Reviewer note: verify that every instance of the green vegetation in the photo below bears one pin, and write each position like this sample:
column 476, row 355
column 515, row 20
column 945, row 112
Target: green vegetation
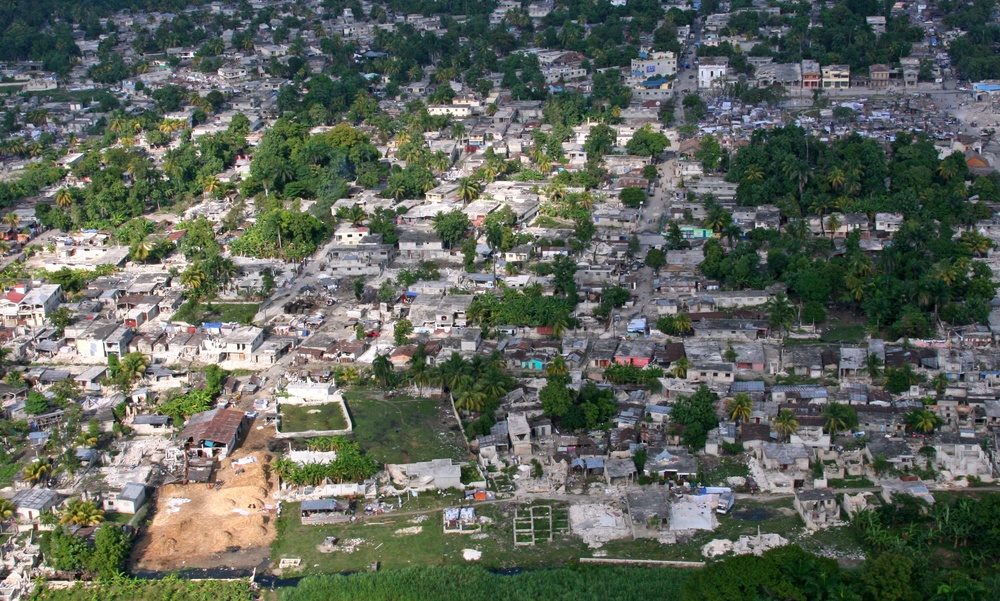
column 590, row 408
column 460, row 583
column 169, row 587
column 300, row 418
column 843, row 334
column 105, row 557
column 973, row 53
column 430, row 546
column 619, row 373
column 927, row 275
column 194, row 312
column 351, row 465
column 404, row 429
column 196, row 400
column 727, row 467
column 695, row 416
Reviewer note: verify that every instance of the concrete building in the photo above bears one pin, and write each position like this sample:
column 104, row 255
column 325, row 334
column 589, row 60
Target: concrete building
column 437, row 474
column 817, row 508
column 836, row 77
column 712, row 72
column 30, row 504
column 655, row 64
column 129, row 500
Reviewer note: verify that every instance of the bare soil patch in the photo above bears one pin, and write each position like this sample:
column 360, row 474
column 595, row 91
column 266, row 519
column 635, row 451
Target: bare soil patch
column 213, row 525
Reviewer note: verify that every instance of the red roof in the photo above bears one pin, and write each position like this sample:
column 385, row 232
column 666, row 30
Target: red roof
column 14, row 297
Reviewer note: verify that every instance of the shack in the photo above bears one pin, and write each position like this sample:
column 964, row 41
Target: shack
column 324, row 511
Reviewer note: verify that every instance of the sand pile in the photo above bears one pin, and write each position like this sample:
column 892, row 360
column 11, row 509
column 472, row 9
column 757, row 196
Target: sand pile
column 193, row 520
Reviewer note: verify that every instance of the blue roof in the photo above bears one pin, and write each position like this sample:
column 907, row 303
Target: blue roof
column 654, row 83
column 755, row 386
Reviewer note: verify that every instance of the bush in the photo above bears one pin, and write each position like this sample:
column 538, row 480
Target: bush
column 732, row 448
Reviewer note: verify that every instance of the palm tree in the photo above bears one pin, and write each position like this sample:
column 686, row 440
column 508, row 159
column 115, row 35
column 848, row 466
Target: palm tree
column 468, row 396
column 922, row 420
column 64, row 197
column 439, row 161
column 832, row 224
column 468, row 189
column 16, row 146
column 947, row 169
column 785, row 424
column 450, row 372
column 37, row 116
column 193, row 278
column 680, row 368
column 753, row 173
column 11, row 220
column 873, row 364
column 133, row 365
column 458, row 131
column 140, row 250
column 717, row 218
column 555, row 192
column 118, row 124
column 682, row 324
column 836, row 178
column 798, row 172
column 209, row 185
column 559, row 321
column 544, row 164
column 740, row 407
column 557, row 367
column 35, row 471
column 247, row 41
column 81, row 513
column 419, row 372
column 975, row 243
column 780, row 311
column 382, row 370
column 940, row 383
column 838, row 418
column 731, row 232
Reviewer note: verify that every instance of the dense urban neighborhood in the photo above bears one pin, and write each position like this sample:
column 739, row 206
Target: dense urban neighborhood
column 579, row 298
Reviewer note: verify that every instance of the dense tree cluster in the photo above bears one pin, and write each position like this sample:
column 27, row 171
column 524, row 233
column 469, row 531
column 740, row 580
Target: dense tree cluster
column 590, row 407
column 105, row 557
column 527, row 307
column 695, row 415
column 927, row 274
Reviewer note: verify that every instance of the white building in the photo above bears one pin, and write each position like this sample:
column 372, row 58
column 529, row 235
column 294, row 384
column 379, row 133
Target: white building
column 656, row 64
column 712, row 71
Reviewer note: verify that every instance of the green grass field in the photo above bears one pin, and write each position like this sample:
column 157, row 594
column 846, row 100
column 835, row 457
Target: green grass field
column 431, row 546
column 299, row 418
column 844, row 333
column 405, row 429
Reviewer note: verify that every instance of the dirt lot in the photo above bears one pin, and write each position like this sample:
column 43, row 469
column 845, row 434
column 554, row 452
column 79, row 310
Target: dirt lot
column 231, row 525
